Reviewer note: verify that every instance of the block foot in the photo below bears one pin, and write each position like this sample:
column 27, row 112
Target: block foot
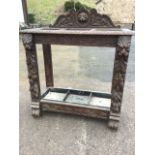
column 36, row 109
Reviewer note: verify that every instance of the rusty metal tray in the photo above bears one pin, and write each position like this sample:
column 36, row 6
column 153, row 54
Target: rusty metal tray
column 77, row 98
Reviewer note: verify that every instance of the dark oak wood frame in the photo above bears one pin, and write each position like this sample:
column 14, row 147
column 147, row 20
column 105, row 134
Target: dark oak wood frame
column 118, row 38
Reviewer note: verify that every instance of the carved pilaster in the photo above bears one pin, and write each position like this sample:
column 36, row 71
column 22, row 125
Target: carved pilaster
column 32, row 66
column 119, row 72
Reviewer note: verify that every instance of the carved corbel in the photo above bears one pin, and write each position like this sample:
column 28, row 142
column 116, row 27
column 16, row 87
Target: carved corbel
column 27, row 41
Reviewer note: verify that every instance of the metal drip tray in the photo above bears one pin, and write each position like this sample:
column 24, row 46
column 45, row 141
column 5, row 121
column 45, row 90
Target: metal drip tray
column 79, row 98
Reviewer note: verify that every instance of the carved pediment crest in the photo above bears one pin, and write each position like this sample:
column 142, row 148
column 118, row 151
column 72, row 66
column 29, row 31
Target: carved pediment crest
column 84, row 18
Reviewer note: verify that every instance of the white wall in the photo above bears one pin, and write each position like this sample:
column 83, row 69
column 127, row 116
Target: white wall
column 21, row 15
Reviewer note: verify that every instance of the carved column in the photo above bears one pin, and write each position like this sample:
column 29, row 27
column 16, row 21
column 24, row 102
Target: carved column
column 119, row 72
column 32, row 66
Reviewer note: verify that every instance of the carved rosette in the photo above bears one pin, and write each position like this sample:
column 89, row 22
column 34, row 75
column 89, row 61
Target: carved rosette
column 120, row 65
column 31, row 59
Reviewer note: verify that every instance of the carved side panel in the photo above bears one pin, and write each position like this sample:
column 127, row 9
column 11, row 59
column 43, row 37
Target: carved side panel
column 120, row 65
column 32, row 65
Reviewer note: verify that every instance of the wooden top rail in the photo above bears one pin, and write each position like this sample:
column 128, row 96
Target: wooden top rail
column 79, row 31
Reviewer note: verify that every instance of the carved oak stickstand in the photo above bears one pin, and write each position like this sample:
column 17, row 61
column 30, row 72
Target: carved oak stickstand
column 102, row 36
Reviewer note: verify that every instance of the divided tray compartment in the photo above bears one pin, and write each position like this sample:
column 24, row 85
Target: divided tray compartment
column 77, row 98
